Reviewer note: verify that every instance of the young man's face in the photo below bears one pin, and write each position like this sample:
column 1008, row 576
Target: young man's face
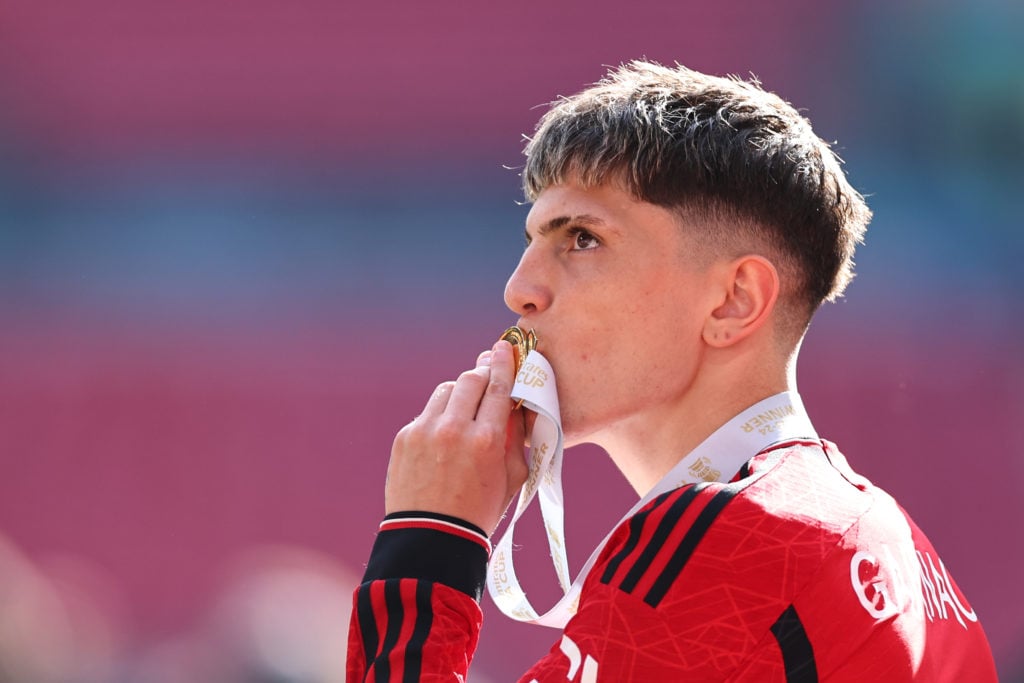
column 617, row 298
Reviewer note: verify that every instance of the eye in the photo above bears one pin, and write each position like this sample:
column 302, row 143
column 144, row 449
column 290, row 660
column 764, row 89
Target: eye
column 583, row 240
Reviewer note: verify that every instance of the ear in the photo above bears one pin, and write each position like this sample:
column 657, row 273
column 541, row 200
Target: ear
column 751, row 288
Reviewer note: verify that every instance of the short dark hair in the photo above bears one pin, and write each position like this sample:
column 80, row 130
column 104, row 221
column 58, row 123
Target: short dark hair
column 713, row 147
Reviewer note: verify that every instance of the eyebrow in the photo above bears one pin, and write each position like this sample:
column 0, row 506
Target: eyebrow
column 561, row 222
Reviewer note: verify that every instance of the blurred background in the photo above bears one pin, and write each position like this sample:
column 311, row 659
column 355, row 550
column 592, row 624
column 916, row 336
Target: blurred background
column 241, row 242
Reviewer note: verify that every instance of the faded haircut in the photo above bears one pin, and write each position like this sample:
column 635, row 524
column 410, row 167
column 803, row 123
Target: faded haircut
column 721, row 152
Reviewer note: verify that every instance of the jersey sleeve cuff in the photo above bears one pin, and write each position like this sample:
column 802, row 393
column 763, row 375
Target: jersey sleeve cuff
column 431, row 547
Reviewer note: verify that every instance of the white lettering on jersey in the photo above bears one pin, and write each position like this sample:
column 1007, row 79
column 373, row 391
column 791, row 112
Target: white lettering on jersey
column 869, row 584
column 883, row 588
column 938, row 592
column 572, row 651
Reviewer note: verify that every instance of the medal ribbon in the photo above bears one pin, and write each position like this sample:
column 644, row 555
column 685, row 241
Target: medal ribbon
column 535, row 387
column 775, row 419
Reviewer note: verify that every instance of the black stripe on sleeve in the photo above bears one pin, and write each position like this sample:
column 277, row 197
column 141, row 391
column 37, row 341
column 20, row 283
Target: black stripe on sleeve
column 745, row 470
column 661, row 534
column 367, row 624
column 797, row 653
column 396, row 615
column 636, row 527
column 693, row 537
column 424, row 620
column 689, row 543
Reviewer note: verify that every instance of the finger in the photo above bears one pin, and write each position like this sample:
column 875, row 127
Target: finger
column 466, row 393
column 496, row 404
column 438, row 401
column 468, row 396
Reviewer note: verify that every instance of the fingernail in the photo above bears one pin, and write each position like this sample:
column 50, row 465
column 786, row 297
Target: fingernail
column 483, row 359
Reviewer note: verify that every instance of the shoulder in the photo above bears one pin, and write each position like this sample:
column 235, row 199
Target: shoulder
column 785, row 510
column 797, row 557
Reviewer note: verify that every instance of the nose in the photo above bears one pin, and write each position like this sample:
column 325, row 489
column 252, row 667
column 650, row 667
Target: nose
column 528, row 289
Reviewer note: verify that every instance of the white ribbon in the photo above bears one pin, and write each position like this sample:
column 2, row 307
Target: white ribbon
column 778, row 418
column 535, row 386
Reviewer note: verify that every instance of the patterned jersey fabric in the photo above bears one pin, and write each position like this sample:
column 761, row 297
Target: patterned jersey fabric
column 797, row 570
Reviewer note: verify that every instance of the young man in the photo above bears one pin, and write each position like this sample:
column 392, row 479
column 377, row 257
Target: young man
column 684, row 229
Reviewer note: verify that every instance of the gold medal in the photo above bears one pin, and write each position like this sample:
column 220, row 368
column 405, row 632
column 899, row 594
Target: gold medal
column 522, row 343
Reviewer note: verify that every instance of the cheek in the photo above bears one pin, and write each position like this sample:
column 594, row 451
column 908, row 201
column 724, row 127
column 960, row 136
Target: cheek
column 587, row 366
column 670, row 339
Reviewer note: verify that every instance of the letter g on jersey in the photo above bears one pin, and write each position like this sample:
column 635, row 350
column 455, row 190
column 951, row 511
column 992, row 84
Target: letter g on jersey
column 872, row 587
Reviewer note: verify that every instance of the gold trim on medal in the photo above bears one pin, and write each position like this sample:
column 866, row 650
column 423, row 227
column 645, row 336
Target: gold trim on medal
column 522, row 343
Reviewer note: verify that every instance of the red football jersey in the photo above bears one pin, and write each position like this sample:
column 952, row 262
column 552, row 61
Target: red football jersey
column 797, row 570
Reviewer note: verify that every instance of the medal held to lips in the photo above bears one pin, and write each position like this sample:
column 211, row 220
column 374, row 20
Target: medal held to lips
column 535, row 390
column 522, row 343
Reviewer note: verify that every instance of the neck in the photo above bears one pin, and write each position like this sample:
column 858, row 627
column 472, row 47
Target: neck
column 645, row 446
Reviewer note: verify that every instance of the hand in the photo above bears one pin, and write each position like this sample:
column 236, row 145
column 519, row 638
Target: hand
column 463, row 456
